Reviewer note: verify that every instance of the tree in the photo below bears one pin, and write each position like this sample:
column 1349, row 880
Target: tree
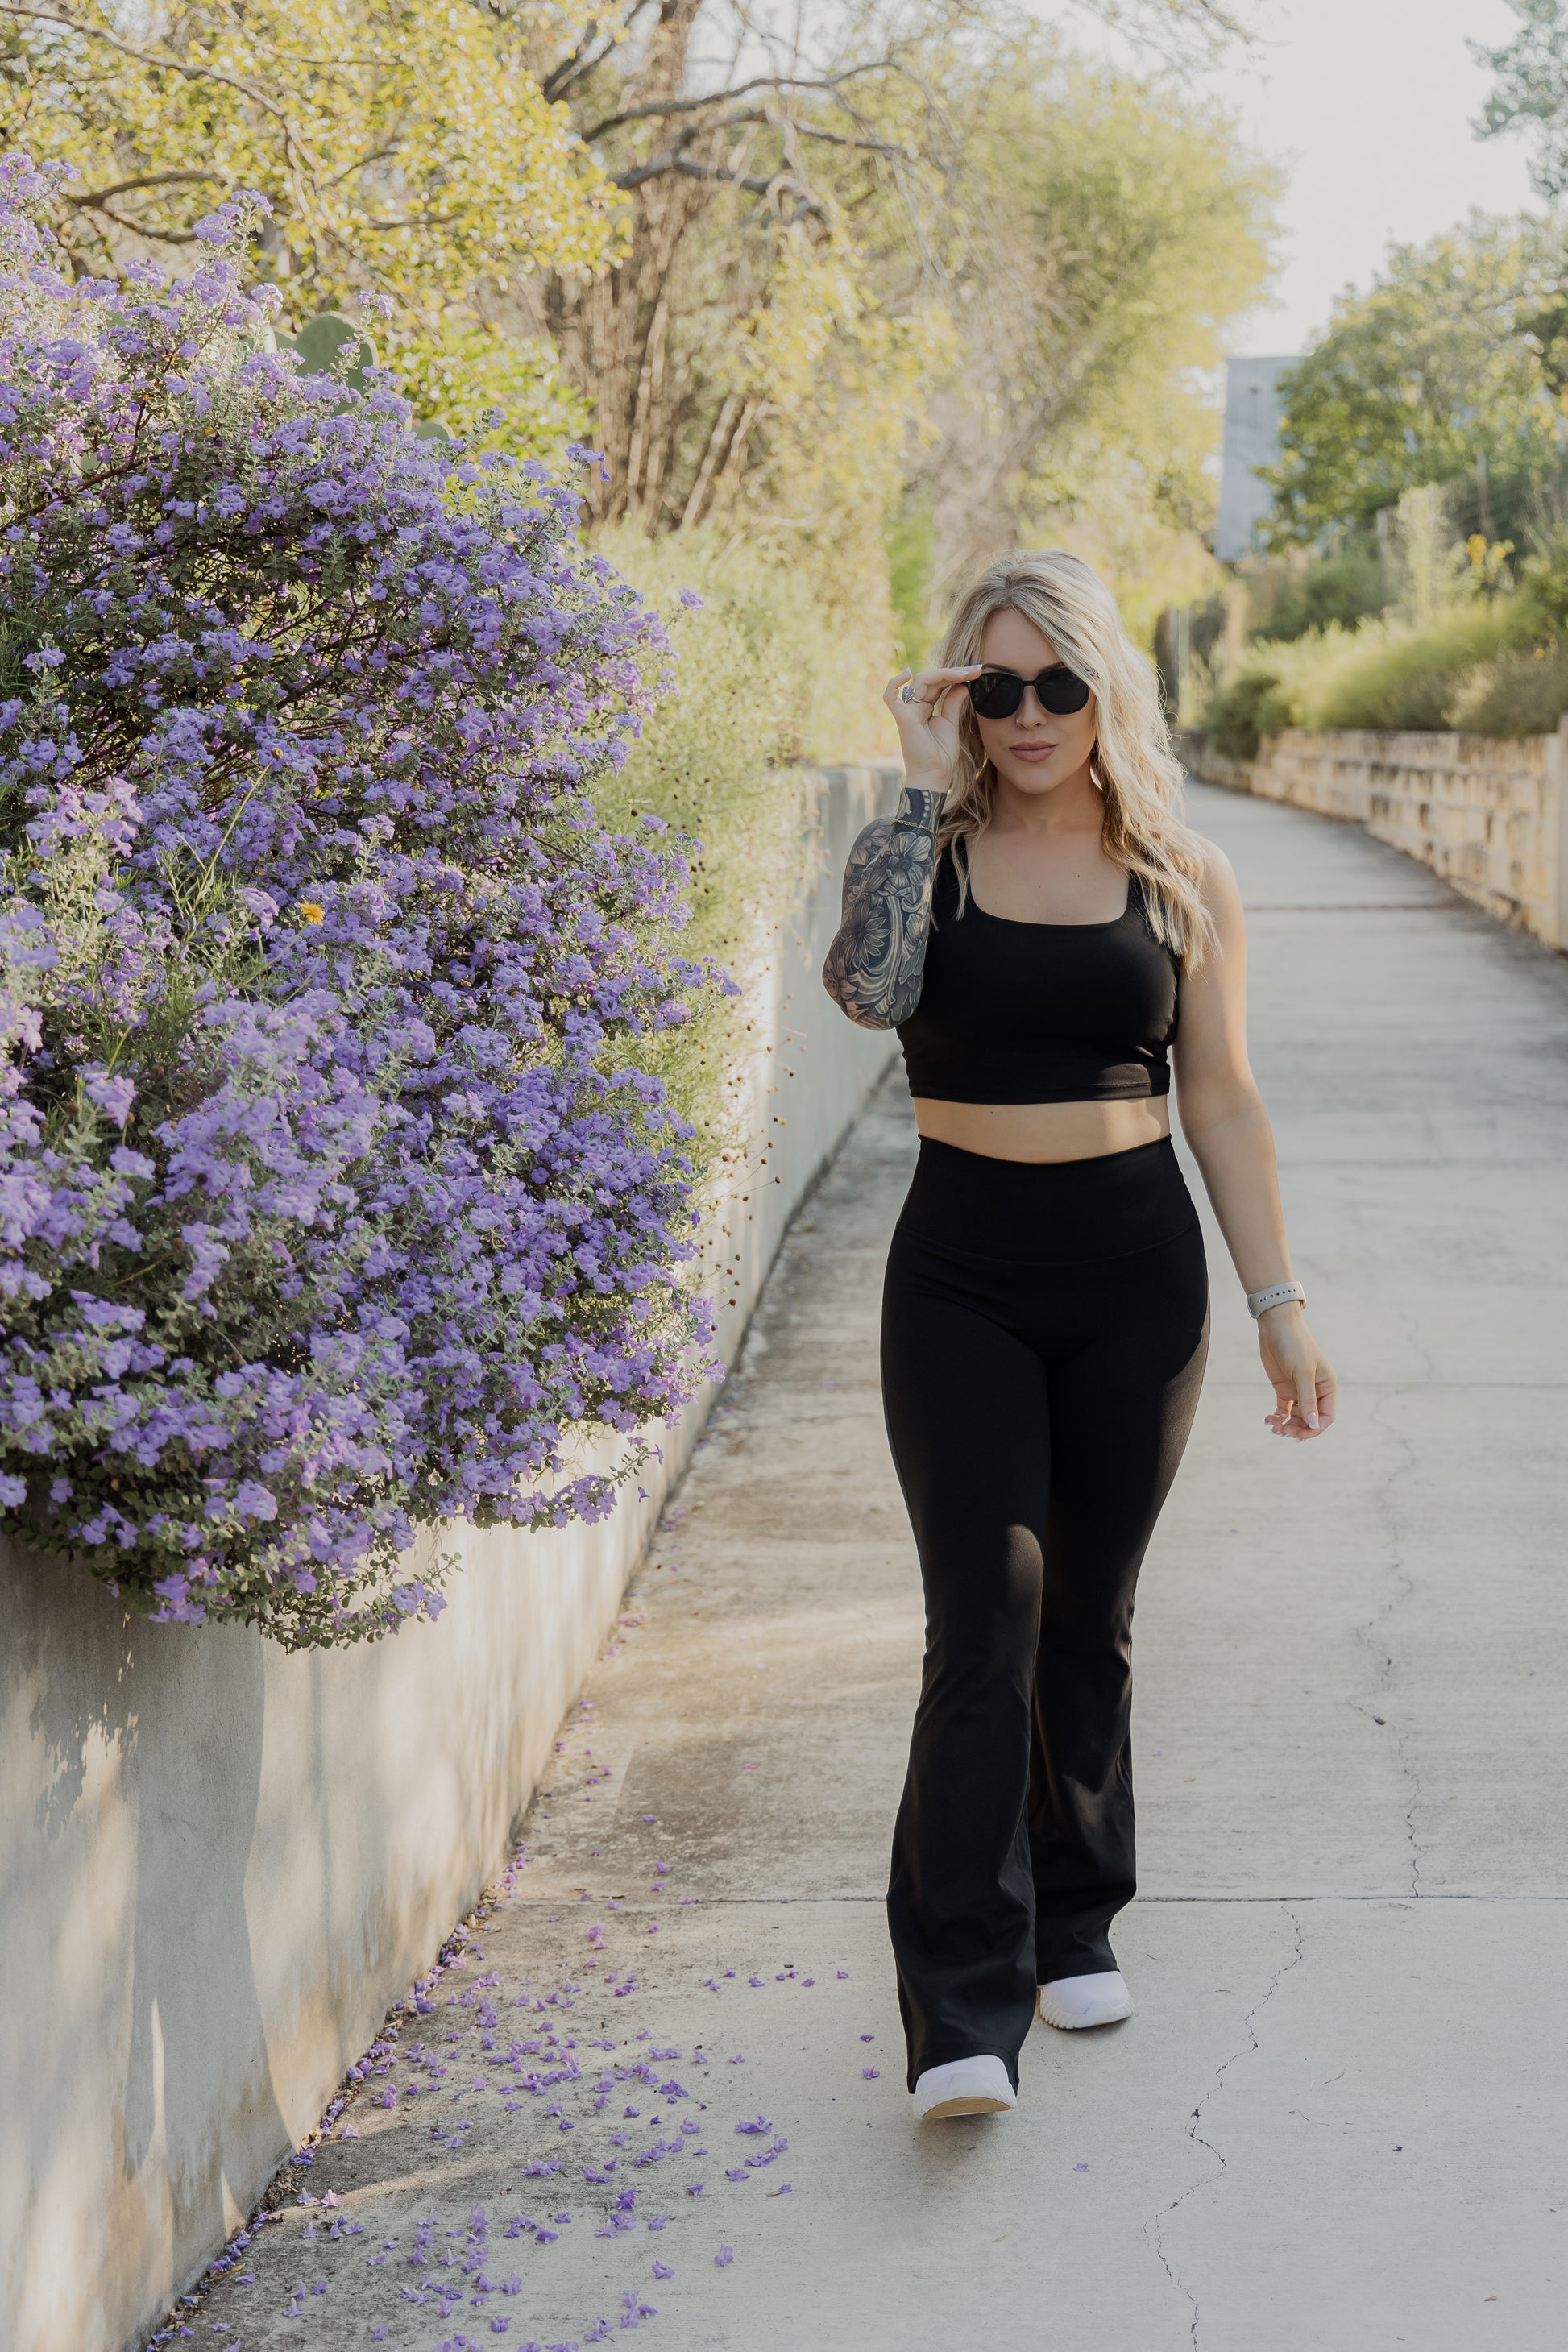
column 407, row 153
column 728, row 240
column 1112, row 226
column 1451, row 369
column 1532, row 92
column 826, row 250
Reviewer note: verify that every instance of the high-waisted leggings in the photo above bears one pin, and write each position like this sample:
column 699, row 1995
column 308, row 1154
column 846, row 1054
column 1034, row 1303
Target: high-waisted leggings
column 1044, row 1331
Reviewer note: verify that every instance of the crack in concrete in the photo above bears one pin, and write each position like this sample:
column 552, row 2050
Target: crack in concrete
column 1378, row 1632
column 1154, row 2230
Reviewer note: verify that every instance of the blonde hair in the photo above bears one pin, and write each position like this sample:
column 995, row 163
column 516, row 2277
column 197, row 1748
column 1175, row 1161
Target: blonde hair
column 1134, row 764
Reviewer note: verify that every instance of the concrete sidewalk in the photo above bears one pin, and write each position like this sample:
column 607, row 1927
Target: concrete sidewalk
column 1338, row 2118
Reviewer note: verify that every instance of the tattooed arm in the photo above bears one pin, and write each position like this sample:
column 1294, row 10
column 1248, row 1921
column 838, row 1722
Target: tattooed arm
column 876, row 965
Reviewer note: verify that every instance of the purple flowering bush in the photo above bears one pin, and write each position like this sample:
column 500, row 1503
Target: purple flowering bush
column 337, row 1195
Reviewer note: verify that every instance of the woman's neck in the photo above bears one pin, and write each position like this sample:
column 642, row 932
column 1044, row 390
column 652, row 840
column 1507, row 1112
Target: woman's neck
column 1072, row 806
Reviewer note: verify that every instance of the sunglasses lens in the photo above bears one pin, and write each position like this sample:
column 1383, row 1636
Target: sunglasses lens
column 996, row 694
column 1061, row 690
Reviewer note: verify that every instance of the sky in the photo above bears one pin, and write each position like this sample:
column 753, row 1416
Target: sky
column 1367, row 106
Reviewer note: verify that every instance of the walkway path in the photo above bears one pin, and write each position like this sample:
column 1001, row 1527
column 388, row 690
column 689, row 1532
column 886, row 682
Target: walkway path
column 1339, row 2117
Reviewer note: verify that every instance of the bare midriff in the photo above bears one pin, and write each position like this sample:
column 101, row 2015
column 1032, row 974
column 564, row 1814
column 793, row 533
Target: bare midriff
column 1041, row 1131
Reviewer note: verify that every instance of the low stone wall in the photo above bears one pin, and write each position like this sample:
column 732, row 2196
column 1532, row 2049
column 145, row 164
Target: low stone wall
column 1486, row 816
column 219, row 1866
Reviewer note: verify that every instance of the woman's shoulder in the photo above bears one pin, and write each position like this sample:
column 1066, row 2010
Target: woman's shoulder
column 1216, row 875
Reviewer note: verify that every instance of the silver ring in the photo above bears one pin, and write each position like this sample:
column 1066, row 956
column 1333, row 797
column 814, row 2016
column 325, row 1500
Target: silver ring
column 906, row 694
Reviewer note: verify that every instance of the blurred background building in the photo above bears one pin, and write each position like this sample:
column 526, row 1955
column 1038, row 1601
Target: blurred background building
column 1252, row 414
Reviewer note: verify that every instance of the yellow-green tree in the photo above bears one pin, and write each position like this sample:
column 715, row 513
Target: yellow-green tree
column 1452, row 367
column 405, row 147
column 1109, row 228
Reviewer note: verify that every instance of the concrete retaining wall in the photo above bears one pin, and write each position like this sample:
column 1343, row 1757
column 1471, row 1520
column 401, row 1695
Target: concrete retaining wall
column 220, row 1865
column 1485, row 815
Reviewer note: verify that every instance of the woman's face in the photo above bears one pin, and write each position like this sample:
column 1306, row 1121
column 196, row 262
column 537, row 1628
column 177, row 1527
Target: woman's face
column 1034, row 751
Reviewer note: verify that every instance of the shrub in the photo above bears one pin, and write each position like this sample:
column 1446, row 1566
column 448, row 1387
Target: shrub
column 1388, row 674
column 1243, row 710
column 760, row 684
column 1339, row 589
column 337, row 1196
column 1523, row 694
column 1382, row 674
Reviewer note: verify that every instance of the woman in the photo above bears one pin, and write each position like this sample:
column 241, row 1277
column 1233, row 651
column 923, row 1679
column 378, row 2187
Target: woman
column 1043, row 930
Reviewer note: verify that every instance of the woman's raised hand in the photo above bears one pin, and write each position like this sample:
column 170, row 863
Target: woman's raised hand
column 928, row 722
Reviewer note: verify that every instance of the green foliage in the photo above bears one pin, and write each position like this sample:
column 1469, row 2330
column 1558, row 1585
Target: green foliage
column 328, row 345
column 1523, row 694
column 1541, row 609
column 1458, row 353
column 1341, row 589
column 1405, row 683
column 406, row 149
column 1109, row 226
column 1382, row 674
column 762, row 679
column 1243, row 710
column 1532, row 92
column 499, row 391
column 911, row 542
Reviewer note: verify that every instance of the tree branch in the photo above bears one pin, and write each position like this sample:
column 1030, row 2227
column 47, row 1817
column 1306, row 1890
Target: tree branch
column 149, row 57
column 149, row 180
column 725, row 96
column 579, row 65
column 146, row 229
column 755, row 183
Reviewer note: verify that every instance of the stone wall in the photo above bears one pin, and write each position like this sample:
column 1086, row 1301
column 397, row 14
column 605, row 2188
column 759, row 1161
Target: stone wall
column 1485, row 815
column 219, row 1864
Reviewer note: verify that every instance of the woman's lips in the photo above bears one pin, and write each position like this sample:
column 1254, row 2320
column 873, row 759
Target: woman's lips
column 1031, row 750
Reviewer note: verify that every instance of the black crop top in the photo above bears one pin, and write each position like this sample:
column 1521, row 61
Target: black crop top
column 1040, row 1012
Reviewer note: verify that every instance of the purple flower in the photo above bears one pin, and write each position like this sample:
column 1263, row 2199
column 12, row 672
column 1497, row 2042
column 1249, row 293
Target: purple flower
column 418, row 1210
column 114, row 1095
column 723, row 2258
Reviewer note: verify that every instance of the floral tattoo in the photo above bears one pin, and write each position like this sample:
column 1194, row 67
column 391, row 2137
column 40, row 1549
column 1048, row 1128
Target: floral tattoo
column 876, row 966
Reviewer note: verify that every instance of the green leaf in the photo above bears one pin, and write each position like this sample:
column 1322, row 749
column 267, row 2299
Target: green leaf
column 329, row 345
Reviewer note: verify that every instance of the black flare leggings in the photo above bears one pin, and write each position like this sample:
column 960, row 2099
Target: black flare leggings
column 1044, row 1330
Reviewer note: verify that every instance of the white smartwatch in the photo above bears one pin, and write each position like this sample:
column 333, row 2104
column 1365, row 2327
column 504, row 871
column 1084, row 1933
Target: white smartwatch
column 1279, row 1294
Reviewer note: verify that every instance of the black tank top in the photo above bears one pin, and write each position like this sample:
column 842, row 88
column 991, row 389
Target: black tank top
column 1040, row 1012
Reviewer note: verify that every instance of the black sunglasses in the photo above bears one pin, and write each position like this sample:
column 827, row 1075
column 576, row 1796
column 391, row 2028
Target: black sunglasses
column 998, row 693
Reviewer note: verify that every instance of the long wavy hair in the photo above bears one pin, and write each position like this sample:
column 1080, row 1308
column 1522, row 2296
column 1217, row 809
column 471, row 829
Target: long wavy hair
column 1134, row 764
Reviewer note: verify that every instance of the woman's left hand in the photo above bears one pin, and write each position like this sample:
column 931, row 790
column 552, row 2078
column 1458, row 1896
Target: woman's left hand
column 1301, row 1377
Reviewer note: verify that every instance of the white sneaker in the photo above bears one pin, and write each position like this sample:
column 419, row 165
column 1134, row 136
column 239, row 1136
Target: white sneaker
column 1072, row 2002
column 967, row 2087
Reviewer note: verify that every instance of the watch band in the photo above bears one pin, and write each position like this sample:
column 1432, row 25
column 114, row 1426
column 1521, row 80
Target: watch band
column 1277, row 1294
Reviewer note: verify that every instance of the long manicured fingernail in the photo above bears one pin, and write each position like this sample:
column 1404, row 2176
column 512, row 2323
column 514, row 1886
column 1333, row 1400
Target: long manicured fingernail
column 1311, row 1420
